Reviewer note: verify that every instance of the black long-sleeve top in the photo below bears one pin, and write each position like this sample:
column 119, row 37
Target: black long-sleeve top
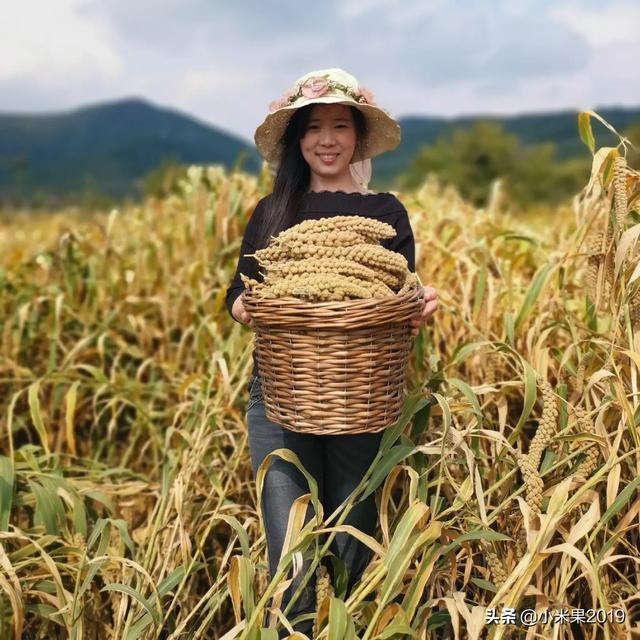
column 322, row 204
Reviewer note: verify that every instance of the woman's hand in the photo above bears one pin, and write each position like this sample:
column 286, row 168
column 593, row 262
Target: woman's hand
column 239, row 312
column 431, row 304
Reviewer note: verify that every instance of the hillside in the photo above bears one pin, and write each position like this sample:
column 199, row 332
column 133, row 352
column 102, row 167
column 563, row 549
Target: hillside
column 109, row 147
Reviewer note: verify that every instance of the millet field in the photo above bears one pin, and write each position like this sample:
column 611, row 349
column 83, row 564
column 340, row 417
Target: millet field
column 510, row 483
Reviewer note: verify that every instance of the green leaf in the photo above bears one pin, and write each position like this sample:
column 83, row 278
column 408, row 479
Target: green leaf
column 102, row 529
column 401, row 546
column 607, row 167
column 420, row 422
column 438, row 619
column 484, row 534
column 138, row 627
column 247, row 574
column 243, row 537
column 584, row 129
column 96, row 374
column 394, row 629
column 620, row 501
column 517, row 236
column 478, row 294
column 101, row 497
column 79, row 515
column 508, row 327
column 389, row 460
column 484, row 584
column 462, row 353
column 532, row 294
column 414, row 403
column 27, row 453
column 49, row 508
column 6, row 491
column 164, row 588
column 173, row 579
column 470, row 395
column 36, row 415
column 592, row 315
column 136, row 595
column 121, row 525
column 337, row 619
column 529, row 398
column 42, row 610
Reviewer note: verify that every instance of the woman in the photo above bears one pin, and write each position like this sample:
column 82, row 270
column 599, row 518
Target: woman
column 321, row 135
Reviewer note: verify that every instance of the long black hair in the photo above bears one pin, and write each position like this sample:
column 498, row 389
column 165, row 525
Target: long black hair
column 293, row 175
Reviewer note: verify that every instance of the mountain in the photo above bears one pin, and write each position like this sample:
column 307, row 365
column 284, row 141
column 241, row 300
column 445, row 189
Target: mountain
column 561, row 128
column 108, row 147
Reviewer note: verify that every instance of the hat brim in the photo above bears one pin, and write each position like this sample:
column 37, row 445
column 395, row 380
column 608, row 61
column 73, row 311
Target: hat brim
column 383, row 131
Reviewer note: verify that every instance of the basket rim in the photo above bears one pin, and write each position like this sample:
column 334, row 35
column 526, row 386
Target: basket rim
column 344, row 314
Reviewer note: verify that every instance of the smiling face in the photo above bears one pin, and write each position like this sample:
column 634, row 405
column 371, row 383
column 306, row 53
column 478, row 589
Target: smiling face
column 328, row 143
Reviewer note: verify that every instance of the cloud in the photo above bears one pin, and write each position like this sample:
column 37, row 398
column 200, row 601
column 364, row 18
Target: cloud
column 603, row 25
column 54, row 43
column 197, row 83
column 224, row 62
column 354, row 9
column 182, row 25
column 478, row 44
column 542, row 50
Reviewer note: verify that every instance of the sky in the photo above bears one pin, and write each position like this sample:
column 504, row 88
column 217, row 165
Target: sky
column 225, row 61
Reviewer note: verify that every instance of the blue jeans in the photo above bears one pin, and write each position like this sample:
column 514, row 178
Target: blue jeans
column 337, row 463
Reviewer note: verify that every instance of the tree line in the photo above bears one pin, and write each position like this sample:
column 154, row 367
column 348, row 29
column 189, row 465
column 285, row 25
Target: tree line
column 472, row 159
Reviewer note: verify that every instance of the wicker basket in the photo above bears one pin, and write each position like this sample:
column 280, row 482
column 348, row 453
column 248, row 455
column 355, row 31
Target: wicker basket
column 333, row 368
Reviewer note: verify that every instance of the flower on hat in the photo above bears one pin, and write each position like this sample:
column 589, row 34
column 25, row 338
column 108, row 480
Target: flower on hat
column 365, row 95
column 317, row 86
column 280, row 102
column 314, row 87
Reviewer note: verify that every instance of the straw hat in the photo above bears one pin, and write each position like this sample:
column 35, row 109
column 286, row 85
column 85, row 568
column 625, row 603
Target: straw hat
column 328, row 86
